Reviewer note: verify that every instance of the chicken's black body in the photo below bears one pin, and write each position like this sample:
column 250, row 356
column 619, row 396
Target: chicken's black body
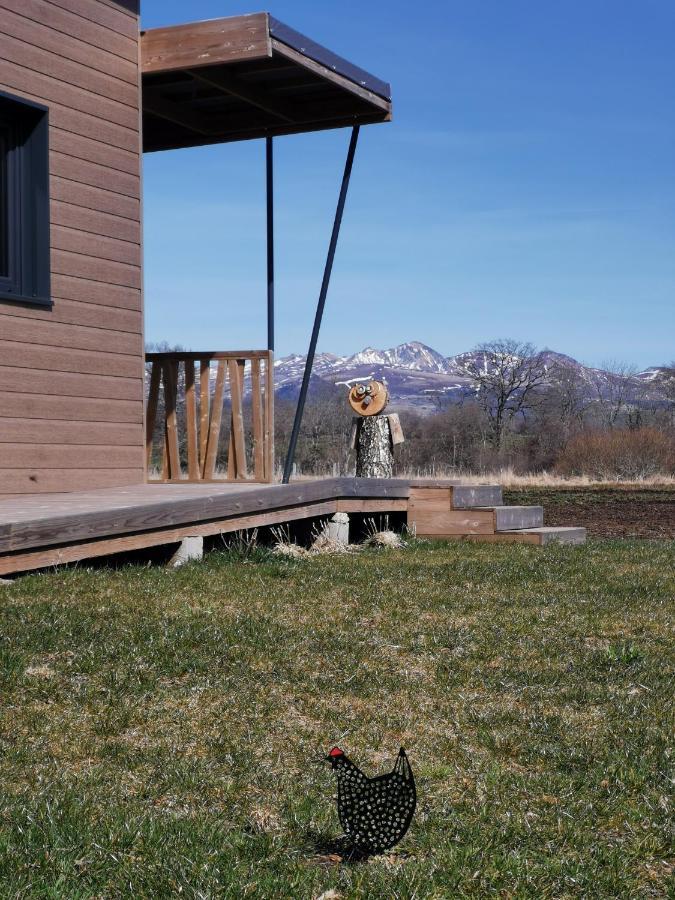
column 374, row 812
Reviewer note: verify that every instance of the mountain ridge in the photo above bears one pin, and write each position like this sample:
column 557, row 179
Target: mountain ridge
column 417, row 374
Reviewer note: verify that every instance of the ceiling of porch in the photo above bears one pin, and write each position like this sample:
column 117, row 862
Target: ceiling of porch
column 248, row 77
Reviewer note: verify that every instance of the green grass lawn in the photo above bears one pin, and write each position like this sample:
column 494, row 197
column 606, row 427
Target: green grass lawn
column 162, row 733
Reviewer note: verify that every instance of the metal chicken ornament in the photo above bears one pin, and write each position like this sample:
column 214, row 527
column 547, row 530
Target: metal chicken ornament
column 374, row 812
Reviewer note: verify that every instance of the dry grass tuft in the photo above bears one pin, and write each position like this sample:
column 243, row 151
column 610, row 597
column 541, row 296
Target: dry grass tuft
column 385, row 539
column 323, row 543
column 289, row 550
column 508, row 478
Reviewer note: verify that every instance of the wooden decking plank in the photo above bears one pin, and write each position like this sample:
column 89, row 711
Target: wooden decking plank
column 31, row 507
column 54, row 556
column 173, row 509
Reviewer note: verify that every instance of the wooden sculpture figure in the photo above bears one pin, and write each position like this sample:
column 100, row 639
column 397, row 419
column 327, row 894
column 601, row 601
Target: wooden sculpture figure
column 373, row 435
column 369, row 399
column 374, row 812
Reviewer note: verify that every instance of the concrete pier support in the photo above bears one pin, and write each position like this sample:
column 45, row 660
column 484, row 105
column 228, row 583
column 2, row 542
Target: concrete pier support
column 337, row 529
column 190, row 548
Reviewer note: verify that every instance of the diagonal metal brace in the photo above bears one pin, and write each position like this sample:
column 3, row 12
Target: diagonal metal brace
column 321, row 305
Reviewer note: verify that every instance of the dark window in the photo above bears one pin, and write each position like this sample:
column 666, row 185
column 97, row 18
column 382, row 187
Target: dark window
column 24, row 202
column 4, row 203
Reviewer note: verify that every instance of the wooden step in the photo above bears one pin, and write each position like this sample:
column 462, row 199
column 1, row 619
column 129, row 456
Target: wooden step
column 445, row 495
column 437, row 520
column 537, row 536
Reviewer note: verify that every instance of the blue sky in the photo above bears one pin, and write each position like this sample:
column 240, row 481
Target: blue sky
column 526, row 188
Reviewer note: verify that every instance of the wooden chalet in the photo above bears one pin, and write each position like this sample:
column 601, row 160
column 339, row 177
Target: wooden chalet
column 83, row 93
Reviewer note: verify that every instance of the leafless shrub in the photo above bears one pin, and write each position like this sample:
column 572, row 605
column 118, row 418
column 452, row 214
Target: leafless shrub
column 243, row 542
column 619, row 454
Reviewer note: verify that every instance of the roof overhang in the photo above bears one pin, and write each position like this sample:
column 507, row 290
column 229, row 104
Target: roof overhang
column 248, row 77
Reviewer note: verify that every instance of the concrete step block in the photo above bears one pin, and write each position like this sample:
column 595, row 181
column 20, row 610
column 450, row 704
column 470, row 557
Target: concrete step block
column 510, row 518
column 470, row 496
column 537, row 536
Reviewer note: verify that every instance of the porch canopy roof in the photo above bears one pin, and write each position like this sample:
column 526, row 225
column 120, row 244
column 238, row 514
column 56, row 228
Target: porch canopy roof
column 248, row 77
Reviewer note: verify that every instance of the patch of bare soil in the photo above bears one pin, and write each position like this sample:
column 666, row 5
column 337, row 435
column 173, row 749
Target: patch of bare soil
column 606, row 512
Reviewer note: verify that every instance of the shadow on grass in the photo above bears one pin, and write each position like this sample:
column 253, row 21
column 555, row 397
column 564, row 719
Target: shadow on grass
column 327, row 851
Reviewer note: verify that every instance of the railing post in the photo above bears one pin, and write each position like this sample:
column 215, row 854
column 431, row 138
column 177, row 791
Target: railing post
column 191, row 421
column 204, row 411
column 203, row 419
column 170, row 402
column 215, row 422
column 258, row 425
column 151, row 412
column 235, row 369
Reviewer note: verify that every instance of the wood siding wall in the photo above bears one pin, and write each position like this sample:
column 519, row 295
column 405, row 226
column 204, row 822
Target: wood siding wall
column 71, row 377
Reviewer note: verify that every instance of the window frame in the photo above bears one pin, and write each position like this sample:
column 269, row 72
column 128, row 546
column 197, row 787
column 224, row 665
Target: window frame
column 26, row 165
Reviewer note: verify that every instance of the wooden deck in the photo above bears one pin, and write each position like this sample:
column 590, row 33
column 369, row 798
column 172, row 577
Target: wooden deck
column 38, row 531
column 46, row 530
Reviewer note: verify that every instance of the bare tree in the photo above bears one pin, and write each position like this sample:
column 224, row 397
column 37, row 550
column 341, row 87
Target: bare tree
column 614, row 389
column 567, row 397
column 506, row 376
column 666, row 381
column 559, row 414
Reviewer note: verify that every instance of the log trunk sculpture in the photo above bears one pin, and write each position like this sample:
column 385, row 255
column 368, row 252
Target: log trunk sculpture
column 373, row 436
column 374, row 448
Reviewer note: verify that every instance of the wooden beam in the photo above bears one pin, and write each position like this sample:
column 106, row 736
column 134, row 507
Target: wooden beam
column 230, row 84
column 372, row 506
column 253, row 132
column 213, row 355
column 329, row 75
column 234, row 39
column 184, row 116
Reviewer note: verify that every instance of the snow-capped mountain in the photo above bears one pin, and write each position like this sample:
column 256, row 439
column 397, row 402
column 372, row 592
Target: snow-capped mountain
column 415, row 356
column 418, row 375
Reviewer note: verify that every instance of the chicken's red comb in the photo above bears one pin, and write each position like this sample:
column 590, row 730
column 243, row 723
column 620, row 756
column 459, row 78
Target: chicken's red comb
column 336, row 752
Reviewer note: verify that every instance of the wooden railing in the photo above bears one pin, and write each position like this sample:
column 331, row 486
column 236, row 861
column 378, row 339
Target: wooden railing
column 186, row 443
